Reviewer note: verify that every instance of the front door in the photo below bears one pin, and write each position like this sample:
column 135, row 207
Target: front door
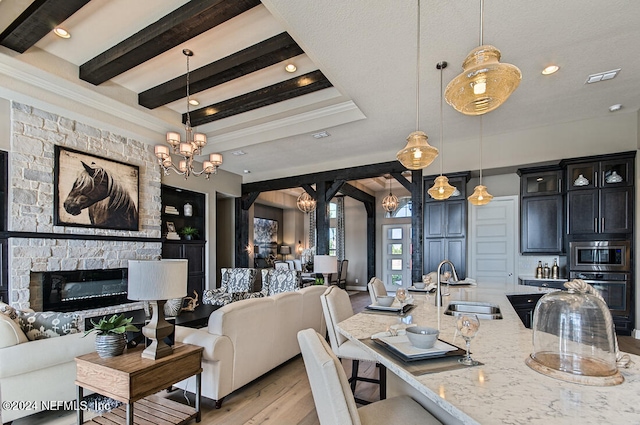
column 396, row 256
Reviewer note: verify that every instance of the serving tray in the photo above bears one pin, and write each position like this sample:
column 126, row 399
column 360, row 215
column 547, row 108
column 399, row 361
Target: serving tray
column 402, row 348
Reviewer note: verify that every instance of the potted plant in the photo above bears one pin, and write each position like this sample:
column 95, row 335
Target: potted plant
column 189, row 232
column 111, row 334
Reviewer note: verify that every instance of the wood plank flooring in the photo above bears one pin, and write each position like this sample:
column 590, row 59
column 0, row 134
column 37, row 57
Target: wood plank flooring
column 281, row 397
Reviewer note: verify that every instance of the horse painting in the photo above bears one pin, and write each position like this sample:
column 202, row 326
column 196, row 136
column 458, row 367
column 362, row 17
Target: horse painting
column 108, row 202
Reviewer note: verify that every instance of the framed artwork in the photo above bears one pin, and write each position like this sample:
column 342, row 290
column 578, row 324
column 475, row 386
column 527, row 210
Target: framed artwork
column 91, row 191
column 265, row 237
column 171, row 228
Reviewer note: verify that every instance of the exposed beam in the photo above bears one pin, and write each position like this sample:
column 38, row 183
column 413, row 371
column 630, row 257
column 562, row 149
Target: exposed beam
column 352, row 173
column 249, row 199
column 40, row 18
column 333, row 189
column 184, row 23
column 357, row 194
column 402, row 180
column 269, row 52
column 285, row 90
column 307, row 188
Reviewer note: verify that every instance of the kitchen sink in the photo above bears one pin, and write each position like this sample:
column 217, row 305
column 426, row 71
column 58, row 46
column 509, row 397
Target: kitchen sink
column 484, row 311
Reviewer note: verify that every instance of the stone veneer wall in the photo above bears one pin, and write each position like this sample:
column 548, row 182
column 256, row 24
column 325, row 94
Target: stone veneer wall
column 31, row 192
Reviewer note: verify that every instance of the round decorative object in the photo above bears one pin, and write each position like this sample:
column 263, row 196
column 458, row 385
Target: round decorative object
column 306, row 203
column 110, row 345
column 581, row 181
column 173, row 307
column 390, row 202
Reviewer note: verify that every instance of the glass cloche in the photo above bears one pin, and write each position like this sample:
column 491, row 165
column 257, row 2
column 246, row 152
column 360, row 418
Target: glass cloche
column 574, row 337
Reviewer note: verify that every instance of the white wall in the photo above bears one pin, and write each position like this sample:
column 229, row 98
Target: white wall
column 355, row 241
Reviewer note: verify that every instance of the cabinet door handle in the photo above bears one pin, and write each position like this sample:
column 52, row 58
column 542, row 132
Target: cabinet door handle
column 602, row 224
column 559, row 185
column 595, row 224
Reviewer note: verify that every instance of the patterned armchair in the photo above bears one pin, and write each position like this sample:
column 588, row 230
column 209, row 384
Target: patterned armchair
column 236, row 285
column 275, row 281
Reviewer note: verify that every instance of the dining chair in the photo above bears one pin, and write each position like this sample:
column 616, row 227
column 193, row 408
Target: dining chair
column 376, row 289
column 336, row 307
column 342, row 280
column 281, row 265
column 336, row 405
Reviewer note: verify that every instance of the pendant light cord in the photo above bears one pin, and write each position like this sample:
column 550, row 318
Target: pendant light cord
column 481, row 22
column 418, row 72
column 442, row 65
column 188, row 115
column 480, row 149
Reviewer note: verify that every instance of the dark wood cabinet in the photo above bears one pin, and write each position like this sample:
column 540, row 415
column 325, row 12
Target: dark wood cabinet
column 600, row 194
column 4, row 272
column 194, row 252
column 525, row 305
column 173, row 212
column 445, row 226
column 541, row 210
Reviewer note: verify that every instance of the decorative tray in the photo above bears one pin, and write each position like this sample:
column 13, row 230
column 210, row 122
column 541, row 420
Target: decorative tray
column 414, row 289
column 402, row 348
column 394, row 308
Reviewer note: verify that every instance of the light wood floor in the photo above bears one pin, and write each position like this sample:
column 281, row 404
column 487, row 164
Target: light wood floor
column 281, row 397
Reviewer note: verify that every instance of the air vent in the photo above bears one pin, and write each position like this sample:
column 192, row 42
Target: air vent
column 238, row 153
column 321, row 135
column 602, row 76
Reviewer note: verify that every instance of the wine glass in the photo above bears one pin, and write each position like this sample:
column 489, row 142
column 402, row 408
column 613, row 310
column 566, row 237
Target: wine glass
column 467, row 325
column 401, row 295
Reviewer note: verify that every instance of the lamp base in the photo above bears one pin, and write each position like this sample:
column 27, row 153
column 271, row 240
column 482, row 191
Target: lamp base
column 157, row 330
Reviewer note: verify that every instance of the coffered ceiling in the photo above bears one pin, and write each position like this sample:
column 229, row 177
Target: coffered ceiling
column 355, row 77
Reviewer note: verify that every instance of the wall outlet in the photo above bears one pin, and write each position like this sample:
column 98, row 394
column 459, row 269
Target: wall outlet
column 356, row 280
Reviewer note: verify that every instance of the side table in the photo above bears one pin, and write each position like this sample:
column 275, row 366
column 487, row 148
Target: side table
column 130, row 379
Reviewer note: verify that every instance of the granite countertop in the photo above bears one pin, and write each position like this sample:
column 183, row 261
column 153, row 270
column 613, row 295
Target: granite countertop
column 532, row 277
column 503, row 390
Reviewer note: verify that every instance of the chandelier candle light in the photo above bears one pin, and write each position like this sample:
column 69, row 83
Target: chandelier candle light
column 191, row 147
column 418, row 153
column 306, row 203
column 485, row 83
column 441, row 188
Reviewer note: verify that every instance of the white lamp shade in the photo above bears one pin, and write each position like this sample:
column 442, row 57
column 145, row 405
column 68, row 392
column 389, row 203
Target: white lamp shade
column 216, row 158
column 157, row 280
column 173, row 138
column 161, row 151
column 325, row 264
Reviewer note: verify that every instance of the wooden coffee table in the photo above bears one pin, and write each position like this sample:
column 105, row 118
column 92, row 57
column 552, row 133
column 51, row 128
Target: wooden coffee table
column 129, row 378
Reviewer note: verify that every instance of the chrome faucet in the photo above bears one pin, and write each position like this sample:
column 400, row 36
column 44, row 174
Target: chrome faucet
column 454, row 276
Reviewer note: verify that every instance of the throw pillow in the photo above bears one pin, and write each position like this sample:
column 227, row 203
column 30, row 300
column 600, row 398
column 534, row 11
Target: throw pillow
column 10, row 332
column 9, row 311
column 48, row 324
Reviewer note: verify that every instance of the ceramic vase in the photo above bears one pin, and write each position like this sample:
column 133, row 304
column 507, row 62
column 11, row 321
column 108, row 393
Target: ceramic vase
column 110, row 345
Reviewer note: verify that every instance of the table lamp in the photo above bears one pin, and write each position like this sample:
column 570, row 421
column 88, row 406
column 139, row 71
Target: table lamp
column 285, row 250
column 156, row 282
column 325, row 264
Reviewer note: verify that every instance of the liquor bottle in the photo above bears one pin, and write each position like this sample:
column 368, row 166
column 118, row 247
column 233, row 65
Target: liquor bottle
column 555, row 270
column 547, row 271
column 539, row 270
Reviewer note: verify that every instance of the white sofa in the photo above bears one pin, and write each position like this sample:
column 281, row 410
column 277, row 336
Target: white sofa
column 35, row 371
column 248, row 338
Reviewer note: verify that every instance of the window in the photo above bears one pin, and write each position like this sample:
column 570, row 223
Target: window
column 333, row 243
column 404, row 208
column 333, row 207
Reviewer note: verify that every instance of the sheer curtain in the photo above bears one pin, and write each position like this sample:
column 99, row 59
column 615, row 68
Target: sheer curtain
column 340, row 228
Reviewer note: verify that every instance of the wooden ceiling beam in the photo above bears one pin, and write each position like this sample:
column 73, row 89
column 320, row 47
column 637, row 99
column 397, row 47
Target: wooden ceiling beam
column 266, row 53
column 184, row 23
column 40, row 18
column 347, row 174
column 289, row 89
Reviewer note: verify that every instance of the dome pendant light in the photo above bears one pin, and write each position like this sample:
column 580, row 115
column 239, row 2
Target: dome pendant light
column 441, row 188
column 418, row 153
column 480, row 196
column 485, row 83
column 390, row 202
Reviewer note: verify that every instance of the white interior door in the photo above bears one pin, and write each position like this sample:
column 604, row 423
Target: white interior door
column 493, row 241
column 396, row 256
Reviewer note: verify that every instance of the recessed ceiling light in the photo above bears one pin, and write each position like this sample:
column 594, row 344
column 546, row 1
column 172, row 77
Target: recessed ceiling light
column 238, row 153
column 616, row 107
column 602, row 76
column 321, row 135
column 193, row 102
column 61, row 32
column 290, row 68
column 539, row 179
column 550, row 70
column 246, row 171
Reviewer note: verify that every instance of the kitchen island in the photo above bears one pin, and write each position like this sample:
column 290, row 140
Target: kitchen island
column 503, row 390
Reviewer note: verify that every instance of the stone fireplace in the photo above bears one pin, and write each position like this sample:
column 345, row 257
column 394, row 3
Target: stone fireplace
column 35, row 244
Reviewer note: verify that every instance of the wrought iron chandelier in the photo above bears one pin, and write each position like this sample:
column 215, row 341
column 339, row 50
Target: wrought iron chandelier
column 192, row 146
column 306, row 203
column 390, row 202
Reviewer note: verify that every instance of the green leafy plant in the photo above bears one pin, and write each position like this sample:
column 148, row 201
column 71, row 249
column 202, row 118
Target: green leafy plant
column 115, row 325
column 189, row 231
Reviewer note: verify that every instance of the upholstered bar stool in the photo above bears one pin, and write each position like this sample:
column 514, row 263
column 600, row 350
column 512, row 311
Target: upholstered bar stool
column 336, row 307
column 376, row 289
column 336, row 405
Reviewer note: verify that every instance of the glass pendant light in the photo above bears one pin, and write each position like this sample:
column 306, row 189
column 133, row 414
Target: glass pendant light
column 418, row 153
column 485, row 83
column 480, row 196
column 390, row 202
column 441, row 188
